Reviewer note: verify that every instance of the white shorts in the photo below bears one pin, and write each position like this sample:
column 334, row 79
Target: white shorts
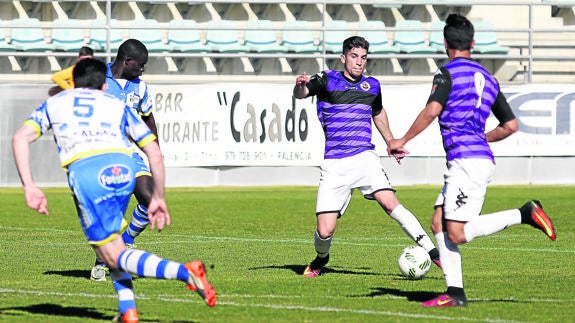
column 464, row 188
column 339, row 177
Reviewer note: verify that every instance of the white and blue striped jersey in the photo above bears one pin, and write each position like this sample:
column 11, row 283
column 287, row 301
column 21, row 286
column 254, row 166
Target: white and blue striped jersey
column 134, row 93
column 88, row 123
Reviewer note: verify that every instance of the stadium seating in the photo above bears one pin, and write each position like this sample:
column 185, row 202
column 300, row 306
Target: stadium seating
column 299, row 32
column 263, row 39
column 299, row 39
column 99, row 36
column 67, row 36
column 185, row 40
column 377, row 36
column 224, row 37
column 152, row 38
column 436, row 36
column 4, row 45
column 336, row 32
column 486, row 39
column 30, row 38
column 411, row 40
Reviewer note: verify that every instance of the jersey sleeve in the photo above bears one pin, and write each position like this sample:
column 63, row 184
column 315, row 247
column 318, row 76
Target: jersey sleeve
column 146, row 101
column 501, row 109
column 377, row 105
column 317, row 83
column 441, row 87
column 137, row 129
column 39, row 120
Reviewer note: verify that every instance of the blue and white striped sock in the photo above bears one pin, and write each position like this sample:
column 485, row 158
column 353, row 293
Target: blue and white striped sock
column 123, row 285
column 146, row 264
column 138, row 224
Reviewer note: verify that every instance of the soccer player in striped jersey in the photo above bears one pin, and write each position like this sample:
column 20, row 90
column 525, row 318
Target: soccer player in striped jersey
column 347, row 101
column 123, row 79
column 93, row 131
column 462, row 96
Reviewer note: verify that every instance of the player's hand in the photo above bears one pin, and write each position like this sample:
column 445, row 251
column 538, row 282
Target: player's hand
column 302, row 79
column 158, row 214
column 395, row 149
column 35, row 199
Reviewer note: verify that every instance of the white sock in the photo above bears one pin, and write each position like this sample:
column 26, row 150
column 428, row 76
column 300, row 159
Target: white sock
column 488, row 224
column 412, row 227
column 450, row 260
column 321, row 245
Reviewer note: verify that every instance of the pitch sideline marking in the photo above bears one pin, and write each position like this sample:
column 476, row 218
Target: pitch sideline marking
column 305, row 241
column 272, row 306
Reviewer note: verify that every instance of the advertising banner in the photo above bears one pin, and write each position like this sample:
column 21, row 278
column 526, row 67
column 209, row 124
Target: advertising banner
column 261, row 124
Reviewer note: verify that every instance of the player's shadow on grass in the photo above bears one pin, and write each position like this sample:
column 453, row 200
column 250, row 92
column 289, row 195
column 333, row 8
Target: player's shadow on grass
column 65, row 311
column 56, row 310
column 74, row 273
column 421, row 297
column 70, row 273
column 299, row 269
column 410, row 296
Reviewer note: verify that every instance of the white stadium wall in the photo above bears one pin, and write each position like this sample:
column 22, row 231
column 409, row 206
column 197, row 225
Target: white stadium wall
column 256, row 134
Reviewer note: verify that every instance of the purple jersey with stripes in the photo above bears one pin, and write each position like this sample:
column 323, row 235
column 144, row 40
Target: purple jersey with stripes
column 467, row 92
column 345, row 109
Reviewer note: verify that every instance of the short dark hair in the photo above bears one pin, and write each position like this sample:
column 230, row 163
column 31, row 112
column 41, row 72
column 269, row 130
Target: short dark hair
column 85, row 51
column 458, row 32
column 89, row 73
column 354, row 42
column 131, row 48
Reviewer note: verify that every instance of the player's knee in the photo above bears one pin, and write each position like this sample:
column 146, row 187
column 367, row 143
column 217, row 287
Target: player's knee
column 457, row 237
column 325, row 233
column 436, row 227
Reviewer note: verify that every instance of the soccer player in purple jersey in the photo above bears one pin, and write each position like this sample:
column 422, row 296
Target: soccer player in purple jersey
column 93, row 131
column 347, row 101
column 462, row 96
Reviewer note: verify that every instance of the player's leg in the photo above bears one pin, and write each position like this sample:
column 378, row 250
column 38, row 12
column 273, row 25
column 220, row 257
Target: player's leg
column 373, row 182
column 139, row 221
column 143, row 193
column 326, row 223
column 464, row 193
column 333, row 197
column 122, row 282
column 531, row 213
column 408, row 222
column 146, row 264
column 450, row 258
column 437, row 225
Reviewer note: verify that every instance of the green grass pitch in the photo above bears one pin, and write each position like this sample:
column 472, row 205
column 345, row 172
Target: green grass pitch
column 256, row 243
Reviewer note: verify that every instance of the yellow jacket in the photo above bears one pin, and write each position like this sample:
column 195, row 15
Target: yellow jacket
column 64, row 78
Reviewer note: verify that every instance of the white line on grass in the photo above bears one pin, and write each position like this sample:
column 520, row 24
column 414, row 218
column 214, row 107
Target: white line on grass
column 273, row 306
column 204, row 239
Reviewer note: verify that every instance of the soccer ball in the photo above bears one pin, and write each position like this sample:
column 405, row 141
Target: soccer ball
column 414, row 262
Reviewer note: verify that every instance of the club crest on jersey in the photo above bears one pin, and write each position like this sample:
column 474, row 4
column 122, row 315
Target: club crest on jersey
column 365, row 86
column 115, row 177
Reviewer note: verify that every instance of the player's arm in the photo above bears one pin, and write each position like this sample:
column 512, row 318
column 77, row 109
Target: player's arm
column 300, row 89
column 507, row 122
column 61, row 78
column 23, row 137
column 380, row 119
column 157, row 209
column 151, row 123
column 306, row 86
